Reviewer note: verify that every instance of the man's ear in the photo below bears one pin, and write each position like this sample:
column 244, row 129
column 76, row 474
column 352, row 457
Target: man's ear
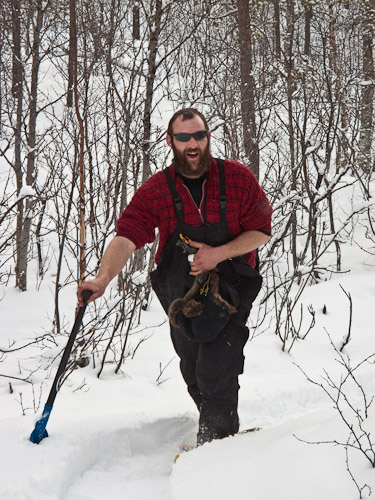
column 169, row 140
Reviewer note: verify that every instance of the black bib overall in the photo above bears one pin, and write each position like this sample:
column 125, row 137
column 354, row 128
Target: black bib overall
column 210, row 369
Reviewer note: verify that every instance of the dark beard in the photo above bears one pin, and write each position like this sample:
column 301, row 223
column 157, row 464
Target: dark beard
column 183, row 167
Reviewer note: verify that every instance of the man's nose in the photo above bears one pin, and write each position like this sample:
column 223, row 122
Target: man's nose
column 192, row 143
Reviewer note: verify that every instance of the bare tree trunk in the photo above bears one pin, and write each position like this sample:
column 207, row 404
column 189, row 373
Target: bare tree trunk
column 308, row 17
column 82, row 221
column 154, row 27
column 247, row 87
column 367, row 101
column 2, row 39
column 338, row 103
column 276, row 6
column 17, row 79
column 69, row 101
column 136, row 25
column 16, row 39
column 63, row 236
column 290, row 85
column 25, row 214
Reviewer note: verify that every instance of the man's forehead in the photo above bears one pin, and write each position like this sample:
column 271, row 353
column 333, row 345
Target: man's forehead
column 189, row 125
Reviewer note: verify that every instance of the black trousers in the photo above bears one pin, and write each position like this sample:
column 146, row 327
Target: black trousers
column 211, row 370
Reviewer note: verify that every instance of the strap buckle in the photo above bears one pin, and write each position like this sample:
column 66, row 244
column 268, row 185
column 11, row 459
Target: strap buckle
column 178, row 204
column 223, row 202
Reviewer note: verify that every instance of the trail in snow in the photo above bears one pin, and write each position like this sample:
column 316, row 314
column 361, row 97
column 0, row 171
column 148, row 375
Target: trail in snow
column 92, row 462
column 134, row 464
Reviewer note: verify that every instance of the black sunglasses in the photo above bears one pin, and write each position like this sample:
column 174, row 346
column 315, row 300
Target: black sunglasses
column 185, row 137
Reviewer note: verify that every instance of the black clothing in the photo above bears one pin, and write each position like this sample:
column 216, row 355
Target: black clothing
column 195, row 187
column 209, row 368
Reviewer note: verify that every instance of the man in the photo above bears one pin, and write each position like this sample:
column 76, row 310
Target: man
column 222, row 214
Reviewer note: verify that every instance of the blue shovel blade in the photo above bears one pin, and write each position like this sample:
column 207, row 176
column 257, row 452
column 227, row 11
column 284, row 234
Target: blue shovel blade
column 40, row 431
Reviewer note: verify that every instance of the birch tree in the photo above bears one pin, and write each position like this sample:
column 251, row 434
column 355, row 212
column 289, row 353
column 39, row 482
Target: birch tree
column 366, row 151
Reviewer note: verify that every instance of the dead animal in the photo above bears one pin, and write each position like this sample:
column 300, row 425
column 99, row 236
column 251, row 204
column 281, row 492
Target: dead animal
column 191, row 305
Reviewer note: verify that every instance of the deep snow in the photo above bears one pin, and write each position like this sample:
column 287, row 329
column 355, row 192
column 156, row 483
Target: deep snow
column 117, row 436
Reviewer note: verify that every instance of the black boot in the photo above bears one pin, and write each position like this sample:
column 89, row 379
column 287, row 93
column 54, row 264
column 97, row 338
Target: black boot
column 216, row 423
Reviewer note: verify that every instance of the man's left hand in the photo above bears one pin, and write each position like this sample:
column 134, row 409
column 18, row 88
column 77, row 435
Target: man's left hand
column 206, row 259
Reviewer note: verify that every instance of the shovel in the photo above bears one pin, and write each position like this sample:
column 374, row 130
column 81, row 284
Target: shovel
column 40, row 431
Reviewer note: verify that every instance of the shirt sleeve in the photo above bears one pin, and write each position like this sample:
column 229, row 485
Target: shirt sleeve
column 256, row 210
column 139, row 219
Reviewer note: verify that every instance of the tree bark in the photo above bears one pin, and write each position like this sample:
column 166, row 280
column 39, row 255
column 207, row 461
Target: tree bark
column 81, row 167
column 69, row 101
column 154, row 27
column 17, row 91
column 136, row 25
column 24, row 213
column 276, row 6
column 288, row 50
column 338, row 103
column 247, row 87
column 367, row 98
column 31, row 143
column 308, row 17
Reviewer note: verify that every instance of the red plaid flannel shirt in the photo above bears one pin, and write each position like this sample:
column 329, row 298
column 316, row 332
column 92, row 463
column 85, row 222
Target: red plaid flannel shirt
column 152, row 207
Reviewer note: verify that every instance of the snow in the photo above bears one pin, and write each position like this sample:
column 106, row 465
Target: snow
column 117, row 436
column 266, row 465
column 365, row 83
column 311, row 149
column 26, row 191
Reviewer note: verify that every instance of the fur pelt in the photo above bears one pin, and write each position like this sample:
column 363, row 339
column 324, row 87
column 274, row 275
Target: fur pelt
column 190, row 307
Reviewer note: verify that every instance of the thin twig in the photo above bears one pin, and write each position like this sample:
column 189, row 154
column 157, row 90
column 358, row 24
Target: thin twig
column 350, row 319
column 16, row 378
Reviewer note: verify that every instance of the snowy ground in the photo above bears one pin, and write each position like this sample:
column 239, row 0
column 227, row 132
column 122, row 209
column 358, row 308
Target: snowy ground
column 117, row 436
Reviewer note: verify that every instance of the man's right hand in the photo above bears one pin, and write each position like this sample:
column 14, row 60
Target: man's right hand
column 97, row 286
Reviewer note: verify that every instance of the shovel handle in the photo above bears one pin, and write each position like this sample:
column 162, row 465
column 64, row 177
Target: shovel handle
column 40, row 431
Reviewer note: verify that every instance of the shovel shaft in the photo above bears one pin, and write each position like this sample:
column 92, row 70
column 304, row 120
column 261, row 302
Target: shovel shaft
column 40, row 431
column 65, row 357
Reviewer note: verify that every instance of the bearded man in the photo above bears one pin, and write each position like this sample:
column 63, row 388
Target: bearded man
column 211, row 215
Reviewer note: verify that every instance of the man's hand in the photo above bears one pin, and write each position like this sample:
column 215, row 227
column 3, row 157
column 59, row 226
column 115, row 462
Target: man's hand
column 208, row 257
column 97, row 286
column 205, row 259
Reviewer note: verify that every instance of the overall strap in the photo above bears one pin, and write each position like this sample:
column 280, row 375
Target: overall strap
column 223, row 198
column 177, row 202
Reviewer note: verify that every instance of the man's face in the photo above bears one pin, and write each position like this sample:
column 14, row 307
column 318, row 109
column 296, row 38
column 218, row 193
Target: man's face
column 191, row 158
